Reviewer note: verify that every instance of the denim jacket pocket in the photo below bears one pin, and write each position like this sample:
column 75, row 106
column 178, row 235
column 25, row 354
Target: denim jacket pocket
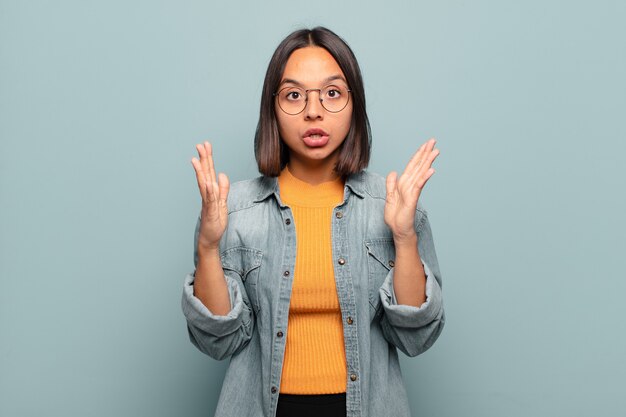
column 245, row 262
column 381, row 255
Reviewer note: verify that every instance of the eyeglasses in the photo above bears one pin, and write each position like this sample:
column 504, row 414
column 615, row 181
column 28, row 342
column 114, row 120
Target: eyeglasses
column 292, row 100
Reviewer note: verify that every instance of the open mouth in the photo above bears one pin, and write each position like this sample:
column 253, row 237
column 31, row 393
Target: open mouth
column 315, row 137
column 315, row 140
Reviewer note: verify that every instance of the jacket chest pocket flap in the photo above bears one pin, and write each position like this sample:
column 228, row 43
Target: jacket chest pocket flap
column 381, row 255
column 245, row 262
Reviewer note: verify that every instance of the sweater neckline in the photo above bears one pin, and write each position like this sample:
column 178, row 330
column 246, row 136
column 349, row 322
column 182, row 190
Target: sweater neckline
column 294, row 191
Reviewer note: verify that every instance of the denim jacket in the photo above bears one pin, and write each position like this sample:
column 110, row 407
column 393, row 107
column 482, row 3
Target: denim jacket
column 258, row 253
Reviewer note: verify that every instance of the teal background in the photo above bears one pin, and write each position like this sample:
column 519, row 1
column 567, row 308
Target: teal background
column 101, row 104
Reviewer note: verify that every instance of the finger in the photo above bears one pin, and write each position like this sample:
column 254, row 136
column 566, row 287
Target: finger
column 211, row 190
column 429, row 158
column 224, row 186
column 203, row 159
column 200, row 177
column 391, row 183
column 422, row 181
column 414, row 161
column 425, row 164
column 428, row 148
column 417, row 161
column 209, row 150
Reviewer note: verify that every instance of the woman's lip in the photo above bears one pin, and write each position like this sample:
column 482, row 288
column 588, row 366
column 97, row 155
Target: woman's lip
column 315, row 131
column 315, row 142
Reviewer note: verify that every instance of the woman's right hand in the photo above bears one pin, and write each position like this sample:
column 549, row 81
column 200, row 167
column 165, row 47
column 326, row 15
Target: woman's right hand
column 214, row 192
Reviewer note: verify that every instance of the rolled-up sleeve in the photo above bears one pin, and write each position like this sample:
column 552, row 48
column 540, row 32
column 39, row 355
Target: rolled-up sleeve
column 400, row 315
column 216, row 335
column 412, row 329
column 201, row 317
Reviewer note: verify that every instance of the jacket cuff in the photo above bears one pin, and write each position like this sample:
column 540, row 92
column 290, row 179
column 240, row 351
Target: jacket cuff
column 401, row 315
column 198, row 315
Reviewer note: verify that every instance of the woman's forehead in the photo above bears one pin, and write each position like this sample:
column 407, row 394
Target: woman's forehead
column 311, row 65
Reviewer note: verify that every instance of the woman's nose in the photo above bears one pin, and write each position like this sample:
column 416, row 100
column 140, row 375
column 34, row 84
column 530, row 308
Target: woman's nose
column 314, row 108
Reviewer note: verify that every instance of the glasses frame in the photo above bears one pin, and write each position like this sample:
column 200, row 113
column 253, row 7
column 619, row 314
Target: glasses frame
column 306, row 99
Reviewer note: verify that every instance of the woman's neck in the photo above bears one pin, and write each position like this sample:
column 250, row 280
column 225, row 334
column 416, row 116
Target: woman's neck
column 313, row 173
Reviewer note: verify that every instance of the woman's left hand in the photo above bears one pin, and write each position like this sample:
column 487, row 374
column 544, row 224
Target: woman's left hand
column 403, row 192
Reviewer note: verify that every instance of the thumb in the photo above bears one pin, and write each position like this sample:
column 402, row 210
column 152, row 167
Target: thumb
column 391, row 184
column 224, row 186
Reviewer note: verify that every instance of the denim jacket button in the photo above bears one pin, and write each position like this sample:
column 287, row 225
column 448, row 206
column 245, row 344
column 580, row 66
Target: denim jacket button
column 274, row 390
column 341, row 261
column 350, row 320
column 353, row 377
column 391, row 263
column 288, row 221
column 286, row 273
column 279, row 334
column 339, row 215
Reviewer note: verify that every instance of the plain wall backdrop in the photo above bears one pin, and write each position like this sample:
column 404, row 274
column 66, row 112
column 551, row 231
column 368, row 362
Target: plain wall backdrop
column 101, row 104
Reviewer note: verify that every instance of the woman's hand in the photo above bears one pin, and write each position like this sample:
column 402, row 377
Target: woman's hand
column 214, row 215
column 403, row 192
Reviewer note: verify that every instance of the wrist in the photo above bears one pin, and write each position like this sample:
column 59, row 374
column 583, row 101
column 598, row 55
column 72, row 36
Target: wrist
column 208, row 251
column 405, row 240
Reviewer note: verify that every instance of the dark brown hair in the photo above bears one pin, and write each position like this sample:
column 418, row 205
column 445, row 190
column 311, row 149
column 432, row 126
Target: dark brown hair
column 271, row 153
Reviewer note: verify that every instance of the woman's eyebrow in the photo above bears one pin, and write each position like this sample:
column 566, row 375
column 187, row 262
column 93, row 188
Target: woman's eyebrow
column 326, row 80
column 334, row 77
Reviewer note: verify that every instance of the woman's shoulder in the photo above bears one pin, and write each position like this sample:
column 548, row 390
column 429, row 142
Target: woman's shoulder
column 246, row 193
column 368, row 184
column 373, row 185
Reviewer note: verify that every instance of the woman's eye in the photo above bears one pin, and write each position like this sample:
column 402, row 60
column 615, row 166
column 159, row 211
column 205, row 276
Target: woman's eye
column 293, row 95
column 333, row 93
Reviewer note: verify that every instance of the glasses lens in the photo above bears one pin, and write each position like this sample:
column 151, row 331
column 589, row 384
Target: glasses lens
column 292, row 100
column 334, row 98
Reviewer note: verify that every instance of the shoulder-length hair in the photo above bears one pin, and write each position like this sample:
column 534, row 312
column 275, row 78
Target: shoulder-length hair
column 271, row 153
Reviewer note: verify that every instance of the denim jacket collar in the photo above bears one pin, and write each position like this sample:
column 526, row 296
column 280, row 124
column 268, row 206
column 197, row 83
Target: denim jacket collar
column 354, row 182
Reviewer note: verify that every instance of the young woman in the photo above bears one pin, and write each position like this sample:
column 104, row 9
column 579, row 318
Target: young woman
column 310, row 277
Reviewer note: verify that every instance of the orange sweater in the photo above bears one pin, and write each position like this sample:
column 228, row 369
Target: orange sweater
column 315, row 359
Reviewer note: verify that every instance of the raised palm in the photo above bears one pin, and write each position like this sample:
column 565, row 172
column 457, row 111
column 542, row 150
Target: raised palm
column 214, row 192
column 403, row 192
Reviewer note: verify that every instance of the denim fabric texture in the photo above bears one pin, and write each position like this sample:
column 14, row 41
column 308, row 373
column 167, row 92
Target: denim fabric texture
column 258, row 253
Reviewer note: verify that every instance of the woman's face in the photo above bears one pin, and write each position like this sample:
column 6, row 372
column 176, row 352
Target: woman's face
column 313, row 67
